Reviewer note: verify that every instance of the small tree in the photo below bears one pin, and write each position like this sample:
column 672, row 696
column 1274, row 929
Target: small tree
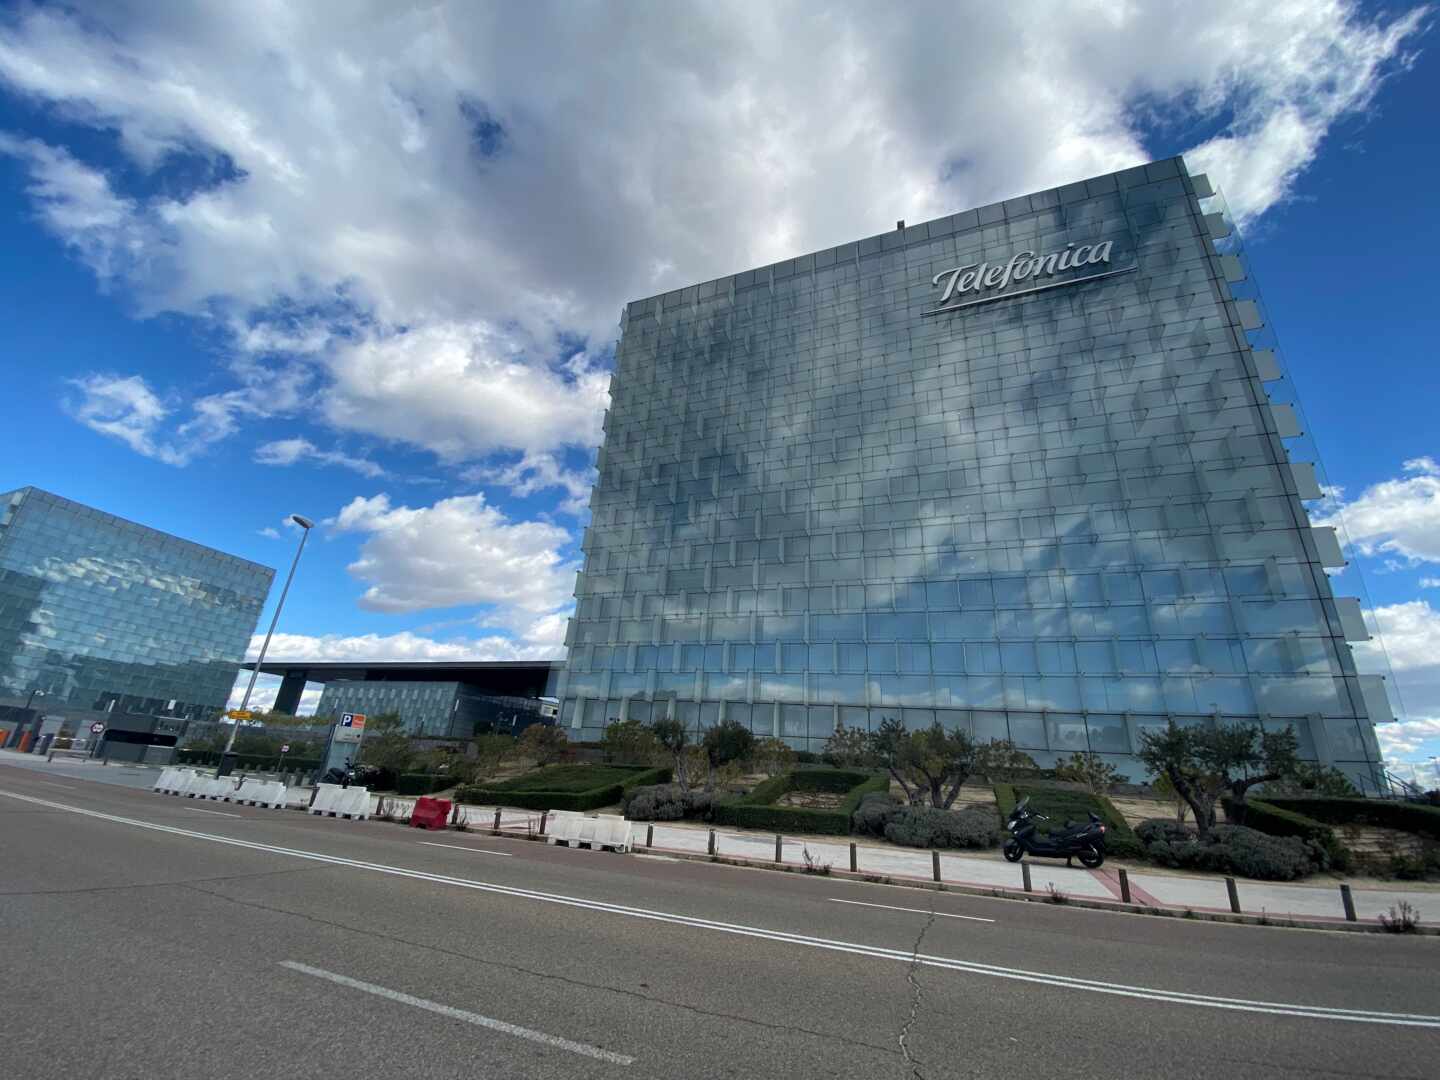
column 930, row 765
column 1203, row 763
column 675, row 740
column 726, row 745
column 772, row 756
column 386, row 743
column 629, row 742
column 544, row 744
column 1166, row 790
column 1311, row 778
column 849, row 748
column 1000, row 760
column 1089, row 769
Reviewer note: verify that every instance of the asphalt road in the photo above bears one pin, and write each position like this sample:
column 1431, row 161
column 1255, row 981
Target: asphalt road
column 144, row 936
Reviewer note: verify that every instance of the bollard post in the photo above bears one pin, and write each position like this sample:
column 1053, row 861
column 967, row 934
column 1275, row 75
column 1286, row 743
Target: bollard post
column 543, row 815
column 1124, row 886
column 1025, row 872
column 935, row 863
column 649, row 835
column 455, row 813
column 496, row 829
column 1234, row 895
column 712, row 841
column 777, row 848
column 854, row 862
column 1349, row 902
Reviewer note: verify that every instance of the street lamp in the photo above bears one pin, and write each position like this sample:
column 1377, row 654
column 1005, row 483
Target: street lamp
column 28, row 702
column 305, row 525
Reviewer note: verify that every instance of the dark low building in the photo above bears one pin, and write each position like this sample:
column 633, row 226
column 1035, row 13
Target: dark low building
column 440, row 699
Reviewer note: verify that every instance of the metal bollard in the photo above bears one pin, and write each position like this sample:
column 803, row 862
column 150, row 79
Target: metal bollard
column 649, row 835
column 1349, row 902
column 1124, row 886
column 854, row 862
column 712, row 841
column 1025, row 872
column 1234, row 895
column 543, row 815
column 496, row 828
column 935, row 863
column 777, row 848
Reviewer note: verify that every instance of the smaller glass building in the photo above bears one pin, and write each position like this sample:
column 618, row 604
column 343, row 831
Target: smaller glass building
column 103, row 615
column 450, row 710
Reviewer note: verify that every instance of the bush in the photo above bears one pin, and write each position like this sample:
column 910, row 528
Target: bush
column 1263, row 816
column 927, row 827
column 1232, row 849
column 1063, row 804
column 563, row 787
column 874, row 813
column 543, row 743
column 667, row 802
column 1385, row 813
column 421, row 783
column 755, row 811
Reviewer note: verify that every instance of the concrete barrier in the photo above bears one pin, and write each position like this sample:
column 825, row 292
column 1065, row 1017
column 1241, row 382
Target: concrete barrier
column 602, row 831
column 267, row 793
column 174, row 780
column 332, row 799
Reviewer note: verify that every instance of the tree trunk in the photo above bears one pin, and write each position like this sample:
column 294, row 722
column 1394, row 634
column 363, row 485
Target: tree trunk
column 954, row 793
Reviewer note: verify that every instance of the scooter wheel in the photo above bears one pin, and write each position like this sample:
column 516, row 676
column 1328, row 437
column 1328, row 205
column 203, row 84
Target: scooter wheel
column 1091, row 858
column 1013, row 851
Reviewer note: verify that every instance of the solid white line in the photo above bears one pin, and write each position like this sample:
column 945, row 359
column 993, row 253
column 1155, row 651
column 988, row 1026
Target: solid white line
column 462, row 847
column 916, row 910
column 217, row 813
column 584, row 1049
column 1174, row 997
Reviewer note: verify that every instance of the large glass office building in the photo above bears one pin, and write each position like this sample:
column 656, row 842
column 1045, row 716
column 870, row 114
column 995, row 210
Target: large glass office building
column 108, row 617
column 1014, row 470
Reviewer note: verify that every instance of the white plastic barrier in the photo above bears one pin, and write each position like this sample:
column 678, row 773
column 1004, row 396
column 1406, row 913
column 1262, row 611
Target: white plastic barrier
column 174, row 780
column 605, row 830
column 352, row 802
column 268, row 793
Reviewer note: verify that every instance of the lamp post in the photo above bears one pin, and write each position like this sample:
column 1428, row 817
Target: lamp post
column 227, row 758
column 19, row 728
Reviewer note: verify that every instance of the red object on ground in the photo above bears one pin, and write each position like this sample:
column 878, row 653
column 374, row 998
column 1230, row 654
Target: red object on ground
column 430, row 813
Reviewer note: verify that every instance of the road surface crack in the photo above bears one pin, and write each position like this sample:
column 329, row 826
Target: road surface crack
column 794, row 1029
column 916, row 996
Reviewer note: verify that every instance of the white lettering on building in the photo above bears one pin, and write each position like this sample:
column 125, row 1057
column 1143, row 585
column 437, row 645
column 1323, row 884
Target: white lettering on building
column 1023, row 266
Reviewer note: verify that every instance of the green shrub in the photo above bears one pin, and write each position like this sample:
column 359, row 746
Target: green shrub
column 421, row 783
column 563, row 787
column 874, row 813
column 1385, row 813
column 1063, row 804
column 257, row 762
column 666, row 802
column 1232, row 849
column 755, row 811
column 928, row 827
column 1263, row 816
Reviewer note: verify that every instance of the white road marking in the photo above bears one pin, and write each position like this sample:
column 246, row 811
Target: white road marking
column 916, row 910
column 1174, row 997
column 217, row 813
column 584, row 1049
column 462, row 847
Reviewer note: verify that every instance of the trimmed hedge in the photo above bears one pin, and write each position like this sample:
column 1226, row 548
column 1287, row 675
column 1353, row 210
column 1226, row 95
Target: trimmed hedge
column 1062, row 804
column 211, row 758
column 1266, row 817
column 421, row 783
column 1384, row 813
column 563, row 787
column 756, row 810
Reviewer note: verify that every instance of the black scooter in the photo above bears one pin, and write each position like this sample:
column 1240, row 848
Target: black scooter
column 1084, row 842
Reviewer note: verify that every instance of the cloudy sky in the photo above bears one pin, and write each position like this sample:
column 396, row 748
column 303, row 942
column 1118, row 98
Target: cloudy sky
column 365, row 260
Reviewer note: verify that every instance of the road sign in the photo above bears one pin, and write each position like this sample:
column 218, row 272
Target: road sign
column 239, row 714
column 351, row 728
column 96, row 728
column 285, row 748
column 352, row 719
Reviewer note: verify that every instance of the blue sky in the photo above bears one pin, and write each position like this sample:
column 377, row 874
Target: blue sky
column 368, row 268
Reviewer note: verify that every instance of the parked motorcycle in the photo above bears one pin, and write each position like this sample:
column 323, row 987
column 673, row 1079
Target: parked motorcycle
column 1085, row 842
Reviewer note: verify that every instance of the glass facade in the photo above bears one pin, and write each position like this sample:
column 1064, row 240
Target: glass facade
column 102, row 614
column 437, row 709
column 1058, row 510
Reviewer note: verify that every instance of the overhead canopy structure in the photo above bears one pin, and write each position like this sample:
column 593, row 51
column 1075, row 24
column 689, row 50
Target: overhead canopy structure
column 515, row 678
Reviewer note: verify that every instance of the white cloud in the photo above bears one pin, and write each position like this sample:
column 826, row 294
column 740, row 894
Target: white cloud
column 1410, row 633
column 291, row 451
column 539, row 472
column 125, row 408
column 1398, row 517
column 270, row 532
column 1430, row 583
column 425, row 208
column 459, row 551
